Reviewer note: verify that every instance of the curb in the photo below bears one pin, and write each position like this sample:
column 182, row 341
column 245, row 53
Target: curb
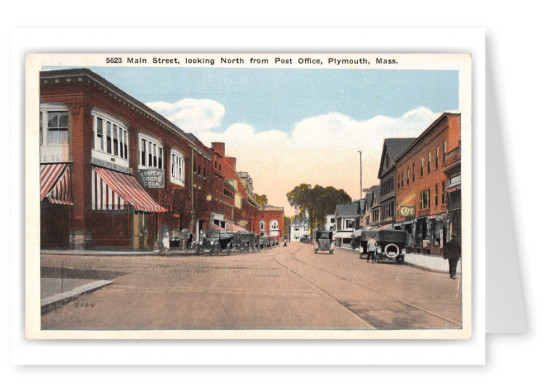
column 54, row 301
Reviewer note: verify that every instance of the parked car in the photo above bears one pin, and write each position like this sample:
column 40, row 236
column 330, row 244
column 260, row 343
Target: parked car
column 215, row 241
column 244, row 241
column 391, row 244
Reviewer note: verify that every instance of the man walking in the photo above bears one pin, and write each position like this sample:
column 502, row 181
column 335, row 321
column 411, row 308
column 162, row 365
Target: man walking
column 452, row 252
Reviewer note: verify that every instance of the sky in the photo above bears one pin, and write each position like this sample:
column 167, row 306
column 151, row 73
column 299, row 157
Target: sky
column 292, row 126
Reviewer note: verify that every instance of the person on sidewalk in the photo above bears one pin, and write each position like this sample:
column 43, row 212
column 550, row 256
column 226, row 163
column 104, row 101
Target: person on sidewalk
column 452, row 252
column 372, row 249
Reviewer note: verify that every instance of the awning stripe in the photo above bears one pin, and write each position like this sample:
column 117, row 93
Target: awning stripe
column 383, row 227
column 216, row 227
column 453, row 188
column 49, row 174
column 61, row 192
column 234, row 227
column 55, row 183
column 128, row 189
column 408, row 200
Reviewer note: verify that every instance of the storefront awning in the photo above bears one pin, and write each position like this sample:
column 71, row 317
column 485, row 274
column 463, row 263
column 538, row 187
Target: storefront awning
column 129, row 190
column 343, row 235
column 216, row 227
column 55, row 183
column 383, row 227
column 437, row 216
column 408, row 200
column 234, row 228
column 357, row 233
column 453, row 188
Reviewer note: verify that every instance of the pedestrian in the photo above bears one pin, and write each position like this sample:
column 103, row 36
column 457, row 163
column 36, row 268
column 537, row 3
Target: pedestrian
column 372, row 249
column 285, row 244
column 189, row 239
column 452, row 252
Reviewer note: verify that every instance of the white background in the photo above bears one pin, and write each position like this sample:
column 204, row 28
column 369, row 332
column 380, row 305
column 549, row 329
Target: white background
column 518, row 55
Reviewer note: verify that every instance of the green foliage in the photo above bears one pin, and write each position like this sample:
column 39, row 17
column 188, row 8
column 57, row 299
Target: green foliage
column 316, row 202
column 262, row 199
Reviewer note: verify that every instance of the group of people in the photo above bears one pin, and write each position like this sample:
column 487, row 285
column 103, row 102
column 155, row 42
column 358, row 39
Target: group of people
column 452, row 252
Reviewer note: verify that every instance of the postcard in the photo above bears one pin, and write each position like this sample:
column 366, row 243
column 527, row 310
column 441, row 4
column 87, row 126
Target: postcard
column 248, row 196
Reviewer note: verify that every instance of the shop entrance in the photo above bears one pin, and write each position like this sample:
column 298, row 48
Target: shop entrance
column 140, row 234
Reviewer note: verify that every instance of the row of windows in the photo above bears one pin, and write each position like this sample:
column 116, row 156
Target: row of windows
column 404, row 177
column 111, row 138
column 439, row 196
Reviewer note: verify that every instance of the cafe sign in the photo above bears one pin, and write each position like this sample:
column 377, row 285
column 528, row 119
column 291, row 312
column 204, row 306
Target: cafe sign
column 406, row 211
column 152, row 178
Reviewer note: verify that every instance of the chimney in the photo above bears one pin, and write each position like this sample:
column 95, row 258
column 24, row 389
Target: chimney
column 219, row 148
column 232, row 162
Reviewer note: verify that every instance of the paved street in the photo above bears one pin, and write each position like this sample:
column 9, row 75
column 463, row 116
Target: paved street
column 285, row 287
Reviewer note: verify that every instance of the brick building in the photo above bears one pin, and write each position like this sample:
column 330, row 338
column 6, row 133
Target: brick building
column 392, row 148
column 422, row 184
column 269, row 221
column 113, row 170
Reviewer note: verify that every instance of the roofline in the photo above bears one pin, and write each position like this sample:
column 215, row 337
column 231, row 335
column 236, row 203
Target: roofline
column 87, row 73
column 426, row 131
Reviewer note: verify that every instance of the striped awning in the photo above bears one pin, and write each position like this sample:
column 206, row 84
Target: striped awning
column 234, row 228
column 114, row 189
column 407, row 200
column 383, row 227
column 453, row 188
column 215, row 227
column 55, row 183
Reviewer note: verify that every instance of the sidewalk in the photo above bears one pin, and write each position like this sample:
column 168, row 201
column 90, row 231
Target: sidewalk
column 57, row 291
column 134, row 253
column 431, row 263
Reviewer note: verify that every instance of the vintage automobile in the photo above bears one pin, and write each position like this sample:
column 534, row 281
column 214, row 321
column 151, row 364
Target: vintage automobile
column 261, row 242
column 216, row 241
column 244, row 241
column 391, row 244
column 305, row 239
column 324, row 242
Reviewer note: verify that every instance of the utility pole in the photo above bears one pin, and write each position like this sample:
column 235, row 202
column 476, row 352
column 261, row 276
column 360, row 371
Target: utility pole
column 361, row 186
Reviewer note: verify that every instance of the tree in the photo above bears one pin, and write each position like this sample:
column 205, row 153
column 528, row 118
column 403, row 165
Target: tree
column 262, row 199
column 286, row 225
column 318, row 201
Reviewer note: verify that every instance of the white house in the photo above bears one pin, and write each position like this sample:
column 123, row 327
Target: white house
column 298, row 229
column 330, row 223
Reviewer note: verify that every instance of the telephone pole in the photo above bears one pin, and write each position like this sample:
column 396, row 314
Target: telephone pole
column 361, row 186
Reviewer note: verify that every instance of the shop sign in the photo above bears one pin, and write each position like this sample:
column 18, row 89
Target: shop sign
column 406, row 211
column 152, row 178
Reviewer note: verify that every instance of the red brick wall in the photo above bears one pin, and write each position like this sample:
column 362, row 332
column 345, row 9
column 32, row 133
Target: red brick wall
column 445, row 129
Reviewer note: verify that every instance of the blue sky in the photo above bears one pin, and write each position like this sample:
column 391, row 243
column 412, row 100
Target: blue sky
column 278, row 98
column 290, row 126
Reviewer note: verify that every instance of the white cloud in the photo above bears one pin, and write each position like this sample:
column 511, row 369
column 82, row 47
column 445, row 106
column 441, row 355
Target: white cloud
column 192, row 114
column 320, row 150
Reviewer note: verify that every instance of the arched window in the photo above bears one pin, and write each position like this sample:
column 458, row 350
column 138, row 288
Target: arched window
column 262, row 225
column 274, row 228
